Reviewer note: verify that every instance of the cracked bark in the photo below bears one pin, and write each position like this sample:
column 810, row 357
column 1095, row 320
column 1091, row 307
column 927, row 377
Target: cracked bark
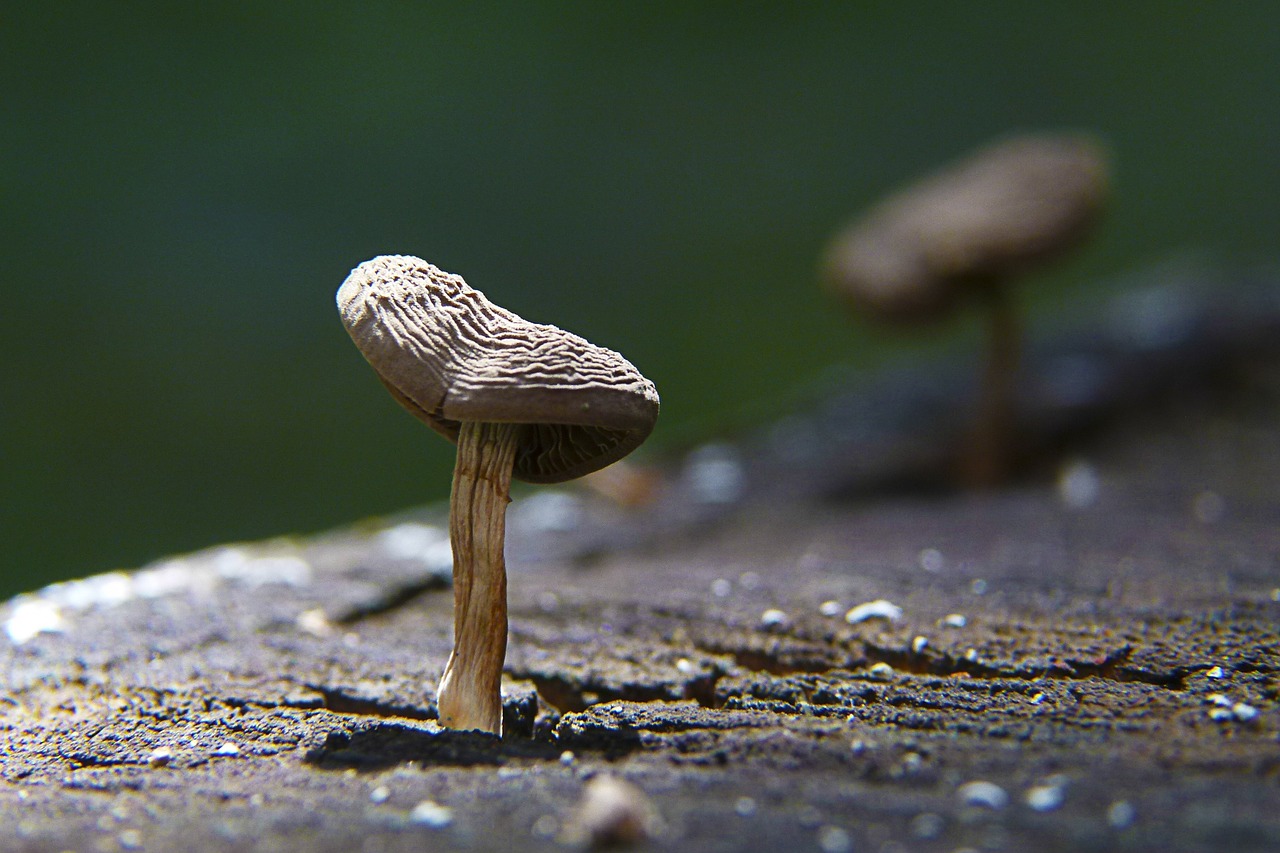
column 1095, row 658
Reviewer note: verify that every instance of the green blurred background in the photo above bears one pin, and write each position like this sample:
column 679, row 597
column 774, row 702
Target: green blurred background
column 185, row 185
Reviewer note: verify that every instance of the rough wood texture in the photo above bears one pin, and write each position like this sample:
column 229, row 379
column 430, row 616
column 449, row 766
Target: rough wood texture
column 1114, row 680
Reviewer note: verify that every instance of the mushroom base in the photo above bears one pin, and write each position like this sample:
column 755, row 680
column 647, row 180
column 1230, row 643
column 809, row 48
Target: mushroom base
column 470, row 696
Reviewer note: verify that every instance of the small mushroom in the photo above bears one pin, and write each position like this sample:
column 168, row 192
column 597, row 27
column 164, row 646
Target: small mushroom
column 519, row 399
column 963, row 234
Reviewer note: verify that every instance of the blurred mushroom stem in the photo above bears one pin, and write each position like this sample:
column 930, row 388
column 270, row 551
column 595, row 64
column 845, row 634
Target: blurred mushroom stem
column 988, row 455
column 470, row 694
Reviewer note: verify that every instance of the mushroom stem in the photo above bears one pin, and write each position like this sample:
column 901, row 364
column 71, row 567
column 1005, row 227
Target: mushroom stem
column 987, row 459
column 470, row 694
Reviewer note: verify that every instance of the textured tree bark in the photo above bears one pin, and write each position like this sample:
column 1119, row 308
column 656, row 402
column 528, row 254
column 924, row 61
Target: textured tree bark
column 1088, row 661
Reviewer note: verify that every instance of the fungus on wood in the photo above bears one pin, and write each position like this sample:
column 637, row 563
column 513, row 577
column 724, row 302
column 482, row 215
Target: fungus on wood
column 519, row 399
column 964, row 234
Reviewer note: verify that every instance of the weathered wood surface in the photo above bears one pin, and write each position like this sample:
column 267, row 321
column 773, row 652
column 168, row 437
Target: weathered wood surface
column 1116, row 675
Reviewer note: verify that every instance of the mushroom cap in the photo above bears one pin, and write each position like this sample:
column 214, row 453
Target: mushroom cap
column 450, row 355
column 1007, row 207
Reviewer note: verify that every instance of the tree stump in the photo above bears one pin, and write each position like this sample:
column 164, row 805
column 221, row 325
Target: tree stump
column 1084, row 660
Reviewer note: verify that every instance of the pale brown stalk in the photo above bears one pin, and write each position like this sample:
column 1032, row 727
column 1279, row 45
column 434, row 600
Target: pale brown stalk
column 470, row 695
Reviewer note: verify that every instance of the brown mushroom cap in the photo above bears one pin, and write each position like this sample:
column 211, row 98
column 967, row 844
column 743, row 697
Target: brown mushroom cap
column 450, row 355
column 1004, row 209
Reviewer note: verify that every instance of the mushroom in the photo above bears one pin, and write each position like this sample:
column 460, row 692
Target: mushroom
column 519, row 399
column 965, row 233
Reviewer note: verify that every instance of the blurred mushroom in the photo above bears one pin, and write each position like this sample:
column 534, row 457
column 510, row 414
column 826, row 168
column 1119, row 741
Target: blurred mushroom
column 519, row 399
column 965, row 233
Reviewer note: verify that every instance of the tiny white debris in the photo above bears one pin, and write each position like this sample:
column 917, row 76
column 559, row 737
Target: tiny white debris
column 912, row 762
column 773, row 617
column 931, row 560
column 545, row 826
column 881, row 670
column 168, row 577
column 1045, row 798
column 1243, row 712
column 985, row 794
column 721, row 588
column 971, row 655
column 105, row 591
column 236, row 564
column 432, row 814
column 811, row 560
column 744, row 807
column 160, row 756
column 878, row 609
column 1121, row 814
column 380, row 794
column 685, row 666
column 714, row 474
column 31, row 617
column 549, row 511
column 1214, row 672
column 1036, row 698
column 833, row 839
column 858, row 746
column 130, row 839
column 227, row 750
column 919, row 644
column 567, row 757
column 927, row 825
column 413, row 540
column 1218, row 699
column 314, row 622
column 1221, row 715
column 955, row 620
column 1079, row 485
column 830, row 608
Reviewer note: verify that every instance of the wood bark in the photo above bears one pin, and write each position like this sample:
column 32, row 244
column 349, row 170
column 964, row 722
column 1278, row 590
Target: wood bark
column 1096, row 644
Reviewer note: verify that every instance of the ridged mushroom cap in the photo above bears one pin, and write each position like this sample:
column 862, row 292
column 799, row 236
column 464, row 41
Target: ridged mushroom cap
column 1002, row 210
column 450, row 355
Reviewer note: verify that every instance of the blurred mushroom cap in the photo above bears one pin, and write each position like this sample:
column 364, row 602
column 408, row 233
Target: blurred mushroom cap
column 1004, row 209
column 449, row 355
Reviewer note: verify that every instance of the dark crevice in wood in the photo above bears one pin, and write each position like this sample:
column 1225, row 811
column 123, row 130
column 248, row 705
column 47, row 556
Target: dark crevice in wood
column 341, row 702
column 574, row 697
column 1112, row 667
column 786, row 662
column 392, row 599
